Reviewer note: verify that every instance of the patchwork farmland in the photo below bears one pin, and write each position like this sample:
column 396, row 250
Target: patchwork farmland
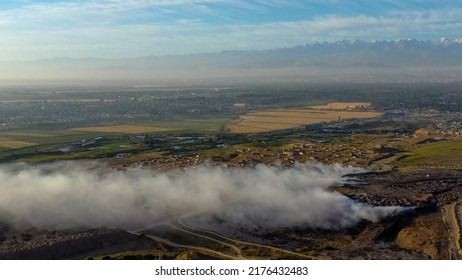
column 269, row 120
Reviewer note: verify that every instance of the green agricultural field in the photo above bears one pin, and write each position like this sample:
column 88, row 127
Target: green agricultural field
column 201, row 126
column 442, row 154
column 25, row 145
column 99, row 152
column 45, row 137
column 178, row 126
column 54, row 139
column 297, row 104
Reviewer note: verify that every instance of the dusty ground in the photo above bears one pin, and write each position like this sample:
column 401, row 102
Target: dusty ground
column 71, row 245
column 429, row 229
column 269, row 120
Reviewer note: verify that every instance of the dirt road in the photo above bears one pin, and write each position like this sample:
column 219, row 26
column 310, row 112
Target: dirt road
column 178, row 224
column 451, row 216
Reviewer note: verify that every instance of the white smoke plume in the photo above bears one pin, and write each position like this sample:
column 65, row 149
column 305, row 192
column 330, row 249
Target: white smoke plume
column 74, row 194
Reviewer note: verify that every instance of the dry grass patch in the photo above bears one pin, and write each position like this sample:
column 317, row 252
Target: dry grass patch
column 342, row 106
column 27, row 134
column 289, row 113
column 146, row 156
column 15, row 144
column 252, row 127
column 270, row 120
column 129, row 129
column 245, row 129
column 282, row 120
column 426, row 234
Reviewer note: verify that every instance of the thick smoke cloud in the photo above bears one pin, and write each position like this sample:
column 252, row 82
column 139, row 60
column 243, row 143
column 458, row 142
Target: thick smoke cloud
column 72, row 194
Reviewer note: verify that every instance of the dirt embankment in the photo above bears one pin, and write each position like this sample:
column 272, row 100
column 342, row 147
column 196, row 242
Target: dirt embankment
column 451, row 215
column 76, row 245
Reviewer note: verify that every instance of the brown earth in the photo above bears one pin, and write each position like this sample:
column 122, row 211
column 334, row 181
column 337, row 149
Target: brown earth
column 269, row 120
column 77, row 245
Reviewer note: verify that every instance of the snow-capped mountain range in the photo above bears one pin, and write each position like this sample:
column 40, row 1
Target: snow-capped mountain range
column 343, row 56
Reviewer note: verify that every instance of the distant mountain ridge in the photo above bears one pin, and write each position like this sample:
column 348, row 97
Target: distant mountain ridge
column 343, row 56
column 399, row 53
column 403, row 52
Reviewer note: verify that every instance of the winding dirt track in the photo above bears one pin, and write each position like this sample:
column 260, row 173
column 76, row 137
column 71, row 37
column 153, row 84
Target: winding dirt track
column 197, row 248
column 451, row 216
column 178, row 224
column 180, row 221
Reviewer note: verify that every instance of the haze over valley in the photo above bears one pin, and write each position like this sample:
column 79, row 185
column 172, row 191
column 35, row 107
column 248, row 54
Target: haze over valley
column 402, row 60
column 240, row 130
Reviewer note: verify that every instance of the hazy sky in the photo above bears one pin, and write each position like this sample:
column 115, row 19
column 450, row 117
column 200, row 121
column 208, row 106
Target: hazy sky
column 37, row 29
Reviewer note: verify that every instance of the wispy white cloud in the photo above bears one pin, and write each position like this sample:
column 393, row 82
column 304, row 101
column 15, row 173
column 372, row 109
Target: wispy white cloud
column 127, row 28
column 431, row 24
column 281, row 3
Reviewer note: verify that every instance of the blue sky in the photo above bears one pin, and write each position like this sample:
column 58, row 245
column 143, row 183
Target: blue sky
column 131, row 28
